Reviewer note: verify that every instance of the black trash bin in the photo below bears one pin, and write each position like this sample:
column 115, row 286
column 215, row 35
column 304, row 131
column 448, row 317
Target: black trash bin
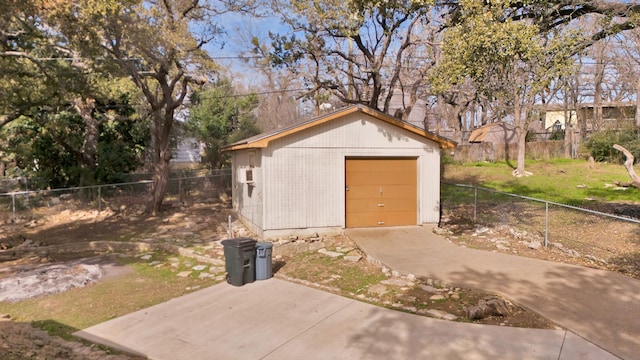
column 239, row 256
column 264, row 265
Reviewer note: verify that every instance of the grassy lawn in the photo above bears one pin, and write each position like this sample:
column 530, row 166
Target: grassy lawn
column 142, row 286
column 564, row 181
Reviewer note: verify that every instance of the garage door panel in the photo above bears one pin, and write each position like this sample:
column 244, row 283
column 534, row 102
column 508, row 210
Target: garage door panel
column 395, row 178
column 386, row 205
column 370, row 219
column 363, row 191
column 381, row 192
column 365, row 164
column 399, row 191
column 396, row 218
column 362, row 219
column 384, row 178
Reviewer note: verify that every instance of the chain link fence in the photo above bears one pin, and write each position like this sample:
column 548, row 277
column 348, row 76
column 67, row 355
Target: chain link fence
column 606, row 238
column 22, row 205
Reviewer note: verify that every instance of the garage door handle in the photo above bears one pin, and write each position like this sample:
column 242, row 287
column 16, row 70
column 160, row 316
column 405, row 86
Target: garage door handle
column 380, row 205
column 380, row 222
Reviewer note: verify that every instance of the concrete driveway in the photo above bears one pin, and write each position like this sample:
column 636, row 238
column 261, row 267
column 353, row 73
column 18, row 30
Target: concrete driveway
column 275, row 319
column 600, row 306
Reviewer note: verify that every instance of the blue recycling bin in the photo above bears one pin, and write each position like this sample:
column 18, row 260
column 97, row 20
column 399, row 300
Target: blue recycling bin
column 264, row 264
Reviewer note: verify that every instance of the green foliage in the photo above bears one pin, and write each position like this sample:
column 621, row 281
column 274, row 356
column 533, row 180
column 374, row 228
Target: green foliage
column 46, row 148
column 217, row 117
column 121, row 149
column 37, row 154
column 600, row 145
column 531, row 136
column 500, row 55
column 557, row 135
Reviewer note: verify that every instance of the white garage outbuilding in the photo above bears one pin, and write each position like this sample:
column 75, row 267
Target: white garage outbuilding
column 355, row 167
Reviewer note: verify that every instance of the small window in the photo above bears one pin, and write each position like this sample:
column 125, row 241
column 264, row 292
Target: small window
column 249, row 176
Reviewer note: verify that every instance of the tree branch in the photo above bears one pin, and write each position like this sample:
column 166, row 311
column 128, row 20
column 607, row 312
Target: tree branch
column 629, row 165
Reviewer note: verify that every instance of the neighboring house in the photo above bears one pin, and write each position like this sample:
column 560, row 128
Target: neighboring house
column 495, row 133
column 610, row 115
column 554, row 120
column 355, row 167
column 188, row 150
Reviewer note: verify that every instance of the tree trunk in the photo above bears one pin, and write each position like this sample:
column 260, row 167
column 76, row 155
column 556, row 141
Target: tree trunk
column 637, row 118
column 161, row 131
column 597, row 96
column 568, row 128
column 86, row 108
column 159, row 183
column 521, row 133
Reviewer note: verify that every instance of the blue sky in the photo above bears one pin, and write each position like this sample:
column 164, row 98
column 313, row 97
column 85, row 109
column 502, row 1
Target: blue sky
column 239, row 30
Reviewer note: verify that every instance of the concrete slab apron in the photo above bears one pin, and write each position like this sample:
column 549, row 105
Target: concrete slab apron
column 274, row 319
column 601, row 306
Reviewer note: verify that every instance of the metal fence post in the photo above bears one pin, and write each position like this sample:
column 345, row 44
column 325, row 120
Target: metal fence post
column 13, row 206
column 546, row 223
column 99, row 199
column 475, row 203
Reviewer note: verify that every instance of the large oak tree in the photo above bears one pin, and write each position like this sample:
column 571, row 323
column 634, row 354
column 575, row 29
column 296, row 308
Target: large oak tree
column 159, row 45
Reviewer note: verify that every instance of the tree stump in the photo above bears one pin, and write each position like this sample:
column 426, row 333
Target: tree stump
column 488, row 307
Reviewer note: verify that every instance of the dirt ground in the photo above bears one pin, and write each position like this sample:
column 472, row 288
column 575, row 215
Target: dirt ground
column 30, row 244
column 19, row 341
column 53, row 245
column 361, row 280
column 609, row 245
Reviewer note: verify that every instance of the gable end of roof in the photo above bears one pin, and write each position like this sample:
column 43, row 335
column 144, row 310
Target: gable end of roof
column 263, row 140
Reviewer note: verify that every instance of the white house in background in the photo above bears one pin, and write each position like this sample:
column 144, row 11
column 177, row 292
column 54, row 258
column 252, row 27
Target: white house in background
column 554, row 120
column 355, row 167
column 188, row 150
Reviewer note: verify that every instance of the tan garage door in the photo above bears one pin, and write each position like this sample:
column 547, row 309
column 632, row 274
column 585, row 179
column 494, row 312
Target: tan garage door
column 381, row 192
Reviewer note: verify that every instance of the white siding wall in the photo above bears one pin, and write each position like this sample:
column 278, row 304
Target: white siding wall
column 248, row 199
column 304, row 172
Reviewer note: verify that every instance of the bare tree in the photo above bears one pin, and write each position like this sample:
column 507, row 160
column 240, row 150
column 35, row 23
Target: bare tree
column 354, row 51
column 627, row 62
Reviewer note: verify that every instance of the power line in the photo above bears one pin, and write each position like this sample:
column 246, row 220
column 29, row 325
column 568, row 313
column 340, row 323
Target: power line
column 256, row 93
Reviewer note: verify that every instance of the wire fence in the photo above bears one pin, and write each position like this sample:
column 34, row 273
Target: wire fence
column 606, row 238
column 18, row 205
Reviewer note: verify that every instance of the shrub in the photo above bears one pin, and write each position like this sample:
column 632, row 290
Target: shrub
column 531, row 136
column 600, row 144
column 557, row 135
